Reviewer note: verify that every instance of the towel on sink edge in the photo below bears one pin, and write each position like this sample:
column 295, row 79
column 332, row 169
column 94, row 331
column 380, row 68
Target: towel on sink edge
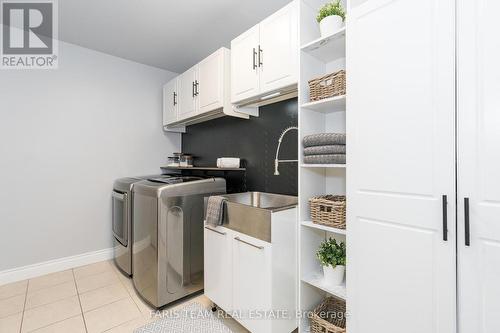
column 324, row 139
column 215, row 210
column 324, row 150
column 325, row 159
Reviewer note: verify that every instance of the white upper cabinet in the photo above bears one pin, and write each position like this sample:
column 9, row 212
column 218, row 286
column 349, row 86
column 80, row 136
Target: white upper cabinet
column 244, row 73
column 202, row 93
column 210, row 88
column 264, row 59
column 170, row 102
column 278, row 50
column 187, row 93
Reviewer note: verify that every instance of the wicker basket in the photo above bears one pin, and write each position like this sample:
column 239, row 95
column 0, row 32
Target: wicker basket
column 327, row 86
column 328, row 210
column 329, row 317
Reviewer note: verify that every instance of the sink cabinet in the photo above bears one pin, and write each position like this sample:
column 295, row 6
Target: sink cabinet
column 252, row 279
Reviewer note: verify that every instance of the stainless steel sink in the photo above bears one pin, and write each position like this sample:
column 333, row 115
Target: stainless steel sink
column 250, row 212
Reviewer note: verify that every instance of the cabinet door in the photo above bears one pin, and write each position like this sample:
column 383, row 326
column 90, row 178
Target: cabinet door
column 244, row 70
column 252, row 283
column 170, row 102
column 187, row 94
column 478, row 166
column 211, row 82
column 278, row 49
column 217, row 266
column 401, row 117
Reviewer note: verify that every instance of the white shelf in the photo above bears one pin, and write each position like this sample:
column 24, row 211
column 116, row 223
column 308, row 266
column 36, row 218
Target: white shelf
column 317, row 280
column 323, row 227
column 327, row 48
column 327, row 105
column 340, row 166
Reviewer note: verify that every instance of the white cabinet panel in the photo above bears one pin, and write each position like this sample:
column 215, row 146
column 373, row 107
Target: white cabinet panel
column 211, row 82
column 252, row 281
column 278, row 49
column 401, row 134
column 478, row 165
column 244, row 67
column 217, row 266
column 170, row 102
column 187, row 96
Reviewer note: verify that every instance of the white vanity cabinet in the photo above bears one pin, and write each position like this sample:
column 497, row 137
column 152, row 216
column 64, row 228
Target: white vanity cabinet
column 202, row 93
column 255, row 279
column 264, row 58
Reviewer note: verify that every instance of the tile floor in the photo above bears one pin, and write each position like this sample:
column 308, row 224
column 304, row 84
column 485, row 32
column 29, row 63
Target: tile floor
column 94, row 298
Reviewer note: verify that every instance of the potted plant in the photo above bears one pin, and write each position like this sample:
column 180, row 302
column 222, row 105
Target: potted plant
column 332, row 257
column 330, row 18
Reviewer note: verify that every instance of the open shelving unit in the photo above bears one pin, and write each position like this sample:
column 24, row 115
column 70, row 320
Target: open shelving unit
column 318, row 56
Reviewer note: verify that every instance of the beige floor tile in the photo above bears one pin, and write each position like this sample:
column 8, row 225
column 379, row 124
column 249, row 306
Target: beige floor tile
column 129, row 326
column 102, row 296
column 111, row 315
column 147, row 311
column 50, row 280
column 95, row 281
column 70, row 325
column 11, row 323
column 50, row 294
column 12, row 305
column 127, row 282
column 88, row 270
column 50, row 313
column 13, row 289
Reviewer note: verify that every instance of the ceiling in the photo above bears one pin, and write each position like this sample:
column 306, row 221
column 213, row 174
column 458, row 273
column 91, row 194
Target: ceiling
column 169, row 34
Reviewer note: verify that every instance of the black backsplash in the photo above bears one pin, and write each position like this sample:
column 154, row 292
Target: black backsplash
column 254, row 141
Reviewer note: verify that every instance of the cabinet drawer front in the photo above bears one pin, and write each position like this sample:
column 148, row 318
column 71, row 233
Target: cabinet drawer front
column 252, row 281
column 217, row 266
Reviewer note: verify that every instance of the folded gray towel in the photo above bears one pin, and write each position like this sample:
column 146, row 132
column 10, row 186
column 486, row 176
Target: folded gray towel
column 215, row 210
column 325, row 159
column 323, row 150
column 323, row 139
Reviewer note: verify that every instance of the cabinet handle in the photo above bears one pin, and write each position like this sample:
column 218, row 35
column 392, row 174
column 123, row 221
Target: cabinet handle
column 241, row 240
column 467, row 221
column 445, row 218
column 175, row 98
column 219, row 232
column 193, row 89
column 260, row 56
column 254, row 54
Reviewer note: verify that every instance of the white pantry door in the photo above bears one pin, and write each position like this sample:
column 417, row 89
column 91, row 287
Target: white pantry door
column 479, row 166
column 401, row 162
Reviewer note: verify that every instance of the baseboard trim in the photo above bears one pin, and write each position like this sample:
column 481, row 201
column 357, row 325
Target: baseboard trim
column 52, row 266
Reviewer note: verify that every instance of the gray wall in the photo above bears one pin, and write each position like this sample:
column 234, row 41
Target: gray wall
column 65, row 135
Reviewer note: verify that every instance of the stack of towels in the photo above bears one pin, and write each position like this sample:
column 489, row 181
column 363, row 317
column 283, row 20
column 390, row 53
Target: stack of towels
column 324, row 148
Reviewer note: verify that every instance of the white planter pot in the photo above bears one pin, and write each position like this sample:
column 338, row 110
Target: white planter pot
column 334, row 276
column 330, row 25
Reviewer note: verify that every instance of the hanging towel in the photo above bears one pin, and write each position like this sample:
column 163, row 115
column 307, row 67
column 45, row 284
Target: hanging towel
column 215, row 210
column 323, row 139
column 323, row 150
column 325, row 159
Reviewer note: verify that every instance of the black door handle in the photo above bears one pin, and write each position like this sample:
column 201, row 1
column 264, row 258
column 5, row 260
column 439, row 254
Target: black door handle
column 254, row 54
column 175, row 98
column 193, row 89
column 467, row 221
column 445, row 218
